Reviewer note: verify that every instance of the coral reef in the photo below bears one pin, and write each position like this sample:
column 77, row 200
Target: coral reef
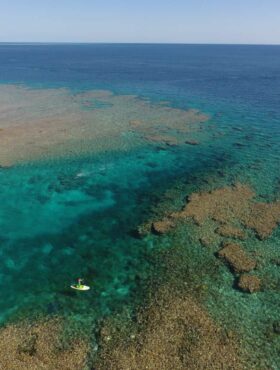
column 264, row 218
column 229, row 231
column 222, row 205
column 161, row 227
column 176, row 333
column 38, row 346
column 236, row 258
column 249, row 283
column 230, row 206
column 50, row 123
column 206, row 241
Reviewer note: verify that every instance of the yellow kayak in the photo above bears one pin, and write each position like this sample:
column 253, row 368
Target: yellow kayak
column 80, row 287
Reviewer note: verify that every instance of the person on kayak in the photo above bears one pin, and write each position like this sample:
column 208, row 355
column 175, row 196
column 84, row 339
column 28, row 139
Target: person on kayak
column 79, row 285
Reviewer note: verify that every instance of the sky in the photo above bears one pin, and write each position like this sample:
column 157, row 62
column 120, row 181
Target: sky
column 147, row 21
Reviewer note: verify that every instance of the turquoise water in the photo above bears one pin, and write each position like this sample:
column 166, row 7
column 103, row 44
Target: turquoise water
column 69, row 217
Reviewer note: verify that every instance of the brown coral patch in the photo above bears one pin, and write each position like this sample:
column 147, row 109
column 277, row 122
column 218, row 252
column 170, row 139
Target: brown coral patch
column 222, row 205
column 237, row 258
column 176, row 333
column 142, row 230
column 49, row 123
column 249, row 283
column 37, row 346
column 230, row 206
column 162, row 227
column 264, row 218
column 229, row 231
column 206, row 241
column 170, row 127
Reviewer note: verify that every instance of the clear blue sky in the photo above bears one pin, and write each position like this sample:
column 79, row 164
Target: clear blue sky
column 183, row 21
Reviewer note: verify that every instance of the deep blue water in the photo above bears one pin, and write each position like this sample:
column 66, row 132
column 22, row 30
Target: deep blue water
column 55, row 227
column 233, row 74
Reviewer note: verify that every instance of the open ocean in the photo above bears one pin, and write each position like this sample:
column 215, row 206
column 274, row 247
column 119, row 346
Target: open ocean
column 75, row 212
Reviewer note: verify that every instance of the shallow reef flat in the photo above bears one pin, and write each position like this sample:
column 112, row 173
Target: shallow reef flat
column 229, row 207
column 39, row 345
column 173, row 331
column 228, row 242
column 49, row 123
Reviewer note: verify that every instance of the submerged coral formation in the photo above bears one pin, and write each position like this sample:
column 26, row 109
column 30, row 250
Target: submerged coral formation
column 38, row 346
column 249, row 283
column 53, row 123
column 222, row 205
column 231, row 206
column 264, row 218
column 230, row 231
column 237, row 258
column 209, row 224
column 175, row 333
column 161, row 227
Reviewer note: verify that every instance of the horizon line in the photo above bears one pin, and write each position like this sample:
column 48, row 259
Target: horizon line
column 130, row 43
